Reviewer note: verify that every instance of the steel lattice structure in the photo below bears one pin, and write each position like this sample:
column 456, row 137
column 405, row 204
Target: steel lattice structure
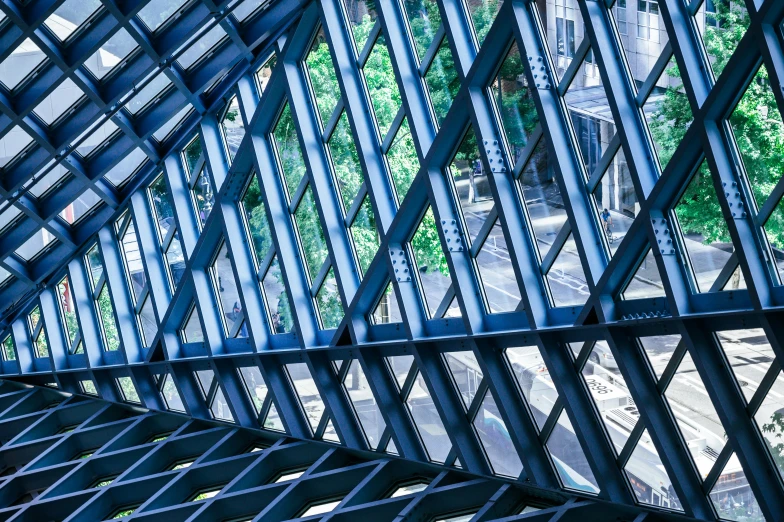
column 535, row 239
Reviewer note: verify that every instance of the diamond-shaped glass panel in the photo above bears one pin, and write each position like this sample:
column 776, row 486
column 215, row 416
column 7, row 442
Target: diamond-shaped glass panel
column 749, row 354
column 430, row 263
column 291, row 162
column 533, row 378
column 387, row 309
column 566, row 278
column 427, row 421
column 496, row 440
column 345, row 161
column 569, row 459
column 321, row 72
column 328, row 302
column 382, row 86
column 364, row 233
column 277, row 300
column 442, row 82
column 403, row 160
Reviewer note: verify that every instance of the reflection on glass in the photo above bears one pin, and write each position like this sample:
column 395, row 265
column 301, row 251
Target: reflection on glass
column 328, row 302
column 705, row 234
column 403, row 160
column 382, row 86
column 470, row 185
column 226, row 289
column 307, row 392
column 442, row 82
column 427, row 421
column 365, row 407
column 466, row 374
column 345, row 161
column 514, row 102
column 233, row 128
column 424, row 20
column 191, row 154
column 386, row 310
column 21, row 62
column 533, row 378
column 111, row 54
column 175, row 260
column 264, row 74
column 290, row 160
column 496, row 440
column 543, row 201
column 161, row 206
column 365, row 235
column 321, row 72
column 311, row 235
column 80, row 206
column 569, row 459
column 203, row 197
column 277, row 300
column 430, row 263
column 564, row 30
column 696, row 416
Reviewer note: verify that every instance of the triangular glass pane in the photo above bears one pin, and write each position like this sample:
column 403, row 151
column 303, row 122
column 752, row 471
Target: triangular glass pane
column 566, row 278
column 68, row 309
column 345, row 161
column 228, row 292
column 696, row 416
column 424, row 19
column 705, row 234
column 330, row 434
column 308, row 393
column 749, row 354
column 365, row 406
column 668, row 113
column 466, row 374
column 616, row 201
column 220, row 407
column 311, row 235
column 483, row 13
column 191, row 331
column 171, row 397
column 453, row 310
column 565, row 30
column 648, row 478
column 774, row 231
column 514, row 102
column 273, row 421
column 111, row 339
column 203, row 197
column 361, row 16
column 589, row 110
column 610, row 394
column 427, row 421
column 736, row 281
column 770, row 421
column 569, row 459
column 543, row 201
column 732, row 497
column 430, row 263
column 233, row 128
column 382, row 86
column 191, row 154
column 277, row 300
column 470, row 185
column 533, row 378
column 322, row 76
column 400, row 366
column 499, row 282
column 254, row 385
column 646, row 281
column 328, row 302
column 442, row 82
column 387, row 309
column 175, row 260
column 759, row 132
column 364, row 232
column 290, row 160
column 403, row 160
column 496, row 440
column 722, row 24
column 391, row 448
column 659, row 350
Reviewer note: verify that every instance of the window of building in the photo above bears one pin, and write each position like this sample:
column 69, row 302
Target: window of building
column 620, row 16
column 648, row 20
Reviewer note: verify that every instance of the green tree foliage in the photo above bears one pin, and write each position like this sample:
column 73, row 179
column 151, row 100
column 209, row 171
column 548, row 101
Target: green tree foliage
column 322, row 76
column 106, row 313
column 514, row 102
column 483, row 13
column 256, row 216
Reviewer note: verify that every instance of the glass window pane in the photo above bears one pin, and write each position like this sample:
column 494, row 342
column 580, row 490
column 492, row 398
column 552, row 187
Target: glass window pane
column 648, row 477
column 70, row 16
column 264, row 74
column 155, row 15
column 365, row 235
column 470, row 185
column 202, row 46
column 660, row 349
column 732, row 496
column 345, row 161
column 171, row 397
column 203, row 197
column 646, row 282
column 424, row 20
column 233, row 128
column 430, row 263
column 328, row 302
column 483, row 13
column 255, row 385
column 427, row 421
column 466, row 374
column 148, row 93
column 34, row 245
column 358, row 390
column 127, row 167
column 403, row 160
column 290, row 160
column 382, row 86
column 496, row 273
column 20, row 63
column 309, row 396
column 148, row 323
column 128, row 390
column 722, row 29
column 129, row 245
column 64, row 97
column 8, row 349
column 361, row 17
column 175, row 260
column 387, row 309
column 495, row 439
column 105, row 307
column 569, row 459
column 191, row 331
column 321, row 72
column 400, row 367
column 227, row 291
column 566, row 278
column 191, row 154
column 749, row 354
column 311, row 234
column 256, row 219
column 80, row 207
column 68, row 309
column 111, row 54
column 161, row 205
column 533, row 378
column 442, row 82
column 277, row 300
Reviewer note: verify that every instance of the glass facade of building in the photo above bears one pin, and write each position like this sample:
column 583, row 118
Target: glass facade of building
column 530, row 239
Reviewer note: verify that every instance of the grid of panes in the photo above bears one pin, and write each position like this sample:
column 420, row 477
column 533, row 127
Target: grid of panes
column 136, row 277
